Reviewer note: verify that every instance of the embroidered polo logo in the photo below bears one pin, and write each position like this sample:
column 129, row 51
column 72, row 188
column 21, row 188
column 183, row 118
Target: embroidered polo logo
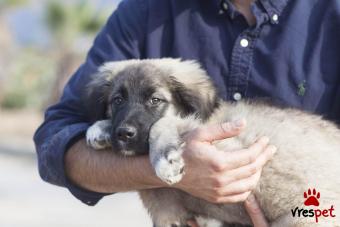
column 302, row 88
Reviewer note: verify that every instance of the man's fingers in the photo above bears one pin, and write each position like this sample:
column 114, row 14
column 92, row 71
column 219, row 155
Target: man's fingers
column 246, row 156
column 246, row 177
column 232, row 198
column 241, row 186
column 250, row 169
column 221, row 131
column 255, row 212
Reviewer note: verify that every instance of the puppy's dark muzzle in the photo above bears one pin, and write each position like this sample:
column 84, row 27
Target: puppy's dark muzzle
column 126, row 134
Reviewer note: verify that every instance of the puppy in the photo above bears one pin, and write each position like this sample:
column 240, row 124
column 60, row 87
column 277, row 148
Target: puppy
column 151, row 104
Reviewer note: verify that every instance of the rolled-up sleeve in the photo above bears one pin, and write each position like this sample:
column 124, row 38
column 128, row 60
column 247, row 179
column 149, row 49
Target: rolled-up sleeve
column 67, row 121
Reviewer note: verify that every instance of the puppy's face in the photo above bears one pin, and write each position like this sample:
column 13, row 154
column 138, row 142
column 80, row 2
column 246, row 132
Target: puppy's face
column 138, row 99
column 140, row 94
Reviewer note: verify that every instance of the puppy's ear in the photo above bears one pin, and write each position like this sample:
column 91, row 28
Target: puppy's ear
column 200, row 99
column 97, row 94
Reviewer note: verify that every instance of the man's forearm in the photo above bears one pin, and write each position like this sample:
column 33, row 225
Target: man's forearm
column 104, row 171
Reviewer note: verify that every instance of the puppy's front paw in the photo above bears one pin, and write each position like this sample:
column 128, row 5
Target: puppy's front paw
column 97, row 137
column 170, row 168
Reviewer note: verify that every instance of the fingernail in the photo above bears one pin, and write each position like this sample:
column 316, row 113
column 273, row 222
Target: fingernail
column 251, row 198
column 273, row 149
column 264, row 139
column 239, row 123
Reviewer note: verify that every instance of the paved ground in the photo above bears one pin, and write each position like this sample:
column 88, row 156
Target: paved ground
column 26, row 201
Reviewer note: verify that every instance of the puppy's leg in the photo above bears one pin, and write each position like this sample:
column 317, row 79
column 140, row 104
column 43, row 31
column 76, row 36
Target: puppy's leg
column 166, row 148
column 98, row 136
column 165, row 151
column 165, row 207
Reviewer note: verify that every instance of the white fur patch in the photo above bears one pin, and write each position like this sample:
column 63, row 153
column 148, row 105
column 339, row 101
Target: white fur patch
column 208, row 222
column 97, row 137
column 170, row 169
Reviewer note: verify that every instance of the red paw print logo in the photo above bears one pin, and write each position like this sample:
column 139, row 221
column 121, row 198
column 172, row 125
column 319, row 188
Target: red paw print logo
column 312, row 198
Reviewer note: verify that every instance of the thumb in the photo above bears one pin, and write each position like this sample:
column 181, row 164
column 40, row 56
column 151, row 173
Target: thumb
column 255, row 212
column 220, row 131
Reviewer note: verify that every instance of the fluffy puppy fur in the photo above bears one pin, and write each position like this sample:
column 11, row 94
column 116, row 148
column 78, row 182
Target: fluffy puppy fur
column 151, row 104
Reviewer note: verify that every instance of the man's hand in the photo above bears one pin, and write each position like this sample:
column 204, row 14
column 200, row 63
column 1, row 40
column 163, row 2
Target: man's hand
column 218, row 176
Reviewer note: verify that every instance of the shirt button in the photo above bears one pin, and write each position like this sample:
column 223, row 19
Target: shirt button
column 237, row 96
column 225, row 6
column 275, row 17
column 244, row 42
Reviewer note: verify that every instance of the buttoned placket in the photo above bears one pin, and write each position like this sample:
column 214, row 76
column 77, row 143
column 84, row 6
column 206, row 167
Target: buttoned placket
column 242, row 54
column 240, row 63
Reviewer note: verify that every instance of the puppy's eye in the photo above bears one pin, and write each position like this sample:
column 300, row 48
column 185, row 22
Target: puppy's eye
column 155, row 101
column 117, row 100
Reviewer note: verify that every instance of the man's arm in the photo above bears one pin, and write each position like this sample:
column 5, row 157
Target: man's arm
column 211, row 174
column 104, row 171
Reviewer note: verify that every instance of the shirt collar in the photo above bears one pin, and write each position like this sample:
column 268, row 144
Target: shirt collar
column 270, row 6
column 274, row 6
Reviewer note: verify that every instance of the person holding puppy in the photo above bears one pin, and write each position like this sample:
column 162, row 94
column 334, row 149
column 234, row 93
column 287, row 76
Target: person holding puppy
column 264, row 48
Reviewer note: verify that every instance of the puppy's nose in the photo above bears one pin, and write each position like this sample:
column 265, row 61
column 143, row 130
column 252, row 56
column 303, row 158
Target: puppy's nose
column 126, row 133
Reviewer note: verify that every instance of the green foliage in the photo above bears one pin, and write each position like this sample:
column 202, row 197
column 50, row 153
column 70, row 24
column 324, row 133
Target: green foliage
column 11, row 3
column 33, row 71
column 67, row 21
column 88, row 21
column 56, row 18
column 29, row 83
column 14, row 100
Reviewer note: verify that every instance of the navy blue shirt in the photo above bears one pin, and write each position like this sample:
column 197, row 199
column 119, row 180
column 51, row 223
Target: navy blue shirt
column 292, row 55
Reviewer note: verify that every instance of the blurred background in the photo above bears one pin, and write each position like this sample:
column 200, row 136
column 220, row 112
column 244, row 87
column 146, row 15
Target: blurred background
column 42, row 42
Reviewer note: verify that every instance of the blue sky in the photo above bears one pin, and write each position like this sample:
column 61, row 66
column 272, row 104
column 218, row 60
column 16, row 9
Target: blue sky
column 27, row 23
